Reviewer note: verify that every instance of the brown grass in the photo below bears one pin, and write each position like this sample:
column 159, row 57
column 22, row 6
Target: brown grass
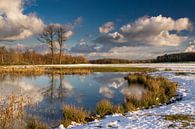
column 72, row 113
column 159, row 90
column 104, row 107
column 12, row 111
column 35, row 123
column 13, row 115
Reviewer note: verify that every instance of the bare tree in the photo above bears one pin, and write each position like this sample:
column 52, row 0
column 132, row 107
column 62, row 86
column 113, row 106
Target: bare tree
column 48, row 36
column 63, row 34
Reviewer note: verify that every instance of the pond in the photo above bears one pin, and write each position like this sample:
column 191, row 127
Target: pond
column 50, row 92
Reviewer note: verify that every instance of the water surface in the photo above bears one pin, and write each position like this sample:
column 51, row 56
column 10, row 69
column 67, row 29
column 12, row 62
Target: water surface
column 50, row 92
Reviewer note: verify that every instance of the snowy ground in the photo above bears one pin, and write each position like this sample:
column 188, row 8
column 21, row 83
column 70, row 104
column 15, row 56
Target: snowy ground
column 153, row 118
column 188, row 67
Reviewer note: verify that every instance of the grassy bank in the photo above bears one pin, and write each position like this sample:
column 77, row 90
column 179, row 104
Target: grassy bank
column 185, row 120
column 13, row 115
column 38, row 70
column 159, row 90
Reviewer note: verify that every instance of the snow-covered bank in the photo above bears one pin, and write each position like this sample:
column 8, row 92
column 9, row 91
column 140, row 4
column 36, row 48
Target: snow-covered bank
column 153, row 118
column 183, row 67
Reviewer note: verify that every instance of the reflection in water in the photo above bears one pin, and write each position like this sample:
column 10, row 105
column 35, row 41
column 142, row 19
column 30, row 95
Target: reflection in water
column 106, row 91
column 135, row 90
column 51, row 92
column 16, row 86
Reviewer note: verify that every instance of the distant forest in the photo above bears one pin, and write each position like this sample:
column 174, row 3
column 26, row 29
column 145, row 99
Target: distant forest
column 110, row 61
column 13, row 57
column 179, row 57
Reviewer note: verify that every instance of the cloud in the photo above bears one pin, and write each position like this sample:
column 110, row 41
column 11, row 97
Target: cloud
column 17, row 87
column 107, row 27
column 152, row 36
column 190, row 48
column 14, row 24
column 84, row 46
column 134, row 53
column 146, row 31
column 78, row 21
column 106, row 91
column 68, row 28
column 157, row 30
column 135, row 91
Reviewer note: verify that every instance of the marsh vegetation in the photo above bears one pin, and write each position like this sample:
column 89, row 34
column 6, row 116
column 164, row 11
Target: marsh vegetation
column 152, row 91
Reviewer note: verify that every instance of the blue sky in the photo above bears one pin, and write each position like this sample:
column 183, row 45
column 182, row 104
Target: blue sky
column 96, row 13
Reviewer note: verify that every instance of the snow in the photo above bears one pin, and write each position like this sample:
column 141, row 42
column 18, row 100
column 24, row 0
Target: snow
column 189, row 67
column 152, row 118
column 61, row 127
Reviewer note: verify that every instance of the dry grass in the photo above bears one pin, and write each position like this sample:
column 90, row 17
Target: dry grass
column 159, row 90
column 104, row 107
column 72, row 113
column 68, row 71
column 33, row 70
column 13, row 116
column 36, row 70
column 35, row 123
column 12, row 112
column 129, row 107
column 186, row 121
column 42, row 70
column 118, row 109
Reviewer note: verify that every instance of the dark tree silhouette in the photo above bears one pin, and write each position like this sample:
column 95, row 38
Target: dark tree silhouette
column 62, row 36
column 48, row 36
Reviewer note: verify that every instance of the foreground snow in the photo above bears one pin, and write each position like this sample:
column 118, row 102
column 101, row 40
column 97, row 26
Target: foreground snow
column 152, row 118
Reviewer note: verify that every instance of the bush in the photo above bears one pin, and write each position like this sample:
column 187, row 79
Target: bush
column 128, row 106
column 104, row 107
column 12, row 112
column 158, row 90
column 179, row 117
column 118, row 109
column 35, row 123
column 72, row 113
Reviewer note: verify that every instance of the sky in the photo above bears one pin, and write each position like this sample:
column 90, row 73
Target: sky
column 129, row 29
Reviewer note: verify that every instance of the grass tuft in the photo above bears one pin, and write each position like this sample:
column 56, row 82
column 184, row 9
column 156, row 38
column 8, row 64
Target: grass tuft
column 35, row 123
column 104, row 107
column 158, row 90
column 72, row 113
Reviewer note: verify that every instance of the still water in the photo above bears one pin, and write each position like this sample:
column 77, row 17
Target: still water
column 50, row 92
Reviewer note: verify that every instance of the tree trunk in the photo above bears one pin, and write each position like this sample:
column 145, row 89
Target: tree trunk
column 52, row 53
column 2, row 59
column 60, row 60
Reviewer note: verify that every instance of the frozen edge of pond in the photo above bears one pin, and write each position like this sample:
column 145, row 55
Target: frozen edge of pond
column 151, row 118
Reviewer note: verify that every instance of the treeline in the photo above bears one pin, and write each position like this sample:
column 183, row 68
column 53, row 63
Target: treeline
column 119, row 61
column 14, row 57
column 110, row 61
column 179, row 57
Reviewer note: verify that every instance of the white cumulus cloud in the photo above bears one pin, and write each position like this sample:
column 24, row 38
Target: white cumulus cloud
column 107, row 27
column 156, row 30
column 190, row 48
column 14, row 24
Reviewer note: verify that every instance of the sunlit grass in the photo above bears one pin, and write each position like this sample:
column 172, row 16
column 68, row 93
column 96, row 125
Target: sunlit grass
column 36, row 70
column 104, row 107
column 185, row 120
column 159, row 90
column 12, row 111
column 13, row 115
column 72, row 113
